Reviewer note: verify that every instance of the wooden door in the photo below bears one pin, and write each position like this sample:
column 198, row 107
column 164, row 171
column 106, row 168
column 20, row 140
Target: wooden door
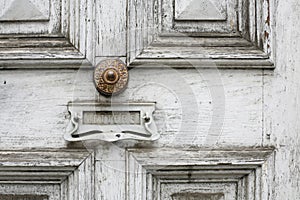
column 223, row 75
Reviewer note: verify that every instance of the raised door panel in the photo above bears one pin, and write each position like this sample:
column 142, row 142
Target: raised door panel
column 193, row 33
column 29, row 16
column 23, row 197
column 201, row 10
column 46, row 175
column 231, row 34
column 23, row 191
column 45, row 34
column 200, row 17
column 215, row 174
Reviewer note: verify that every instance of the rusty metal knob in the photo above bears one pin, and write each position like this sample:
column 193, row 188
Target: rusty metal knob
column 111, row 77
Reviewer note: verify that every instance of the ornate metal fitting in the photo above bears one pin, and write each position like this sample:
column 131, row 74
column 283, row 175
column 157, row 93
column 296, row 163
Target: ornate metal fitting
column 111, row 122
column 111, row 77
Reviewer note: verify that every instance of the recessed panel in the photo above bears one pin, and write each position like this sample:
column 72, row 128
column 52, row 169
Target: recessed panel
column 200, row 10
column 29, row 191
column 199, row 16
column 198, row 191
column 30, row 17
column 23, row 197
column 24, row 10
column 197, row 196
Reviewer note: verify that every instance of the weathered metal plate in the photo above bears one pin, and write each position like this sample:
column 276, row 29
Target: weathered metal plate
column 111, row 121
column 112, row 118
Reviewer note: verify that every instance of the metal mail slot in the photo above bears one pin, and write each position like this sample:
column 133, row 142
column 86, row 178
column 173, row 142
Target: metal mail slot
column 111, row 121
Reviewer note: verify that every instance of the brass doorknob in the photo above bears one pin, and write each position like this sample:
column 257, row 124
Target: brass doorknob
column 111, row 77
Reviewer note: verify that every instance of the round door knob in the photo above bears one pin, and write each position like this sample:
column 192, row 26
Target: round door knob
column 111, row 77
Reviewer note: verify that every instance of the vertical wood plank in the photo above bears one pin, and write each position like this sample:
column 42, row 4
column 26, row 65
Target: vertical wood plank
column 90, row 31
column 111, row 28
column 110, row 172
column 139, row 26
column 82, row 26
column 65, row 12
column 267, row 33
column 259, row 23
column 131, row 51
column 77, row 25
column 282, row 102
column 80, row 184
column 72, row 22
column 244, row 18
column 258, row 185
column 54, row 26
column 252, row 20
column 150, row 21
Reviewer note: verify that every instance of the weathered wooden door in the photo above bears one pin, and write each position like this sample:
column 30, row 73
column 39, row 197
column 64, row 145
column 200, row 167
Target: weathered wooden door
column 223, row 76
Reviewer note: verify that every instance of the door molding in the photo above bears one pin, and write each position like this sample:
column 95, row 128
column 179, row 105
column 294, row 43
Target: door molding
column 243, row 39
column 232, row 173
column 62, row 40
column 56, row 174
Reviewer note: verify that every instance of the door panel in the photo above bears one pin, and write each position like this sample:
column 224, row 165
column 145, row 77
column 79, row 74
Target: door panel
column 29, row 17
column 46, row 174
column 228, row 34
column 30, row 192
column 45, row 34
column 23, row 197
column 228, row 119
column 211, row 27
column 188, row 173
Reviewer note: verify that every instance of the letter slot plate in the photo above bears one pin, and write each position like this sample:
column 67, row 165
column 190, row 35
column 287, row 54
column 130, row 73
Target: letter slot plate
column 111, row 121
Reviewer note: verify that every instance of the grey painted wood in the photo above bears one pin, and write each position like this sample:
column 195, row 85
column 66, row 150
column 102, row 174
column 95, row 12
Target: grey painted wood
column 111, row 28
column 200, row 10
column 281, row 107
column 24, row 99
column 47, row 174
column 244, row 19
column 30, row 17
column 122, row 29
column 67, row 20
column 24, row 10
column 240, row 113
column 186, row 172
column 30, row 192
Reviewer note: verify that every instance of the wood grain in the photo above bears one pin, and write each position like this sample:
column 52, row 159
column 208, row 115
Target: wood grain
column 111, row 28
column 281, row 101
column 24, row 99
column 186, row 172
column 247, row 111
